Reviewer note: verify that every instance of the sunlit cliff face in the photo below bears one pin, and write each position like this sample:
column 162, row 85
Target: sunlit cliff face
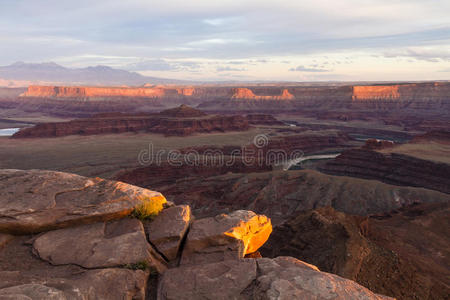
column 375, row 92
column 245, row 93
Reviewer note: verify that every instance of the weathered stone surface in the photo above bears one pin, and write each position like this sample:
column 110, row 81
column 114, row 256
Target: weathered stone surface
column 167, row 230
column 18, row 267
column 289, row 278
column 280, row 278
column 31, row 291
column 33, row 201
column 4, row 239
column 95, row 284
column 99, row 245
column 221, row 280
column 225, row 237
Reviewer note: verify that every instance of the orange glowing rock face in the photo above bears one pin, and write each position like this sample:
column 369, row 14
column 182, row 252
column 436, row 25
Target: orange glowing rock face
column 254, row 232
column 94, row 92
column 245, row 93
column 375, row 92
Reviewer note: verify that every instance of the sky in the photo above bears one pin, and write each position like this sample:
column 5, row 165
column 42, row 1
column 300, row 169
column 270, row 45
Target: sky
column 293, row 40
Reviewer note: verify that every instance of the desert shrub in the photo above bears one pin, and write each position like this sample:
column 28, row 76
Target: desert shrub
column 149, row 208
column 140, row 265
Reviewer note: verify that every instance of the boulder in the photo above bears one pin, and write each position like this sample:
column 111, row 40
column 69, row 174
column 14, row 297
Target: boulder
column 100, row 245
column 289, row 278
column 33, row 201
column 94, row 284
column 215, row 281
column 225, row 237
column 280, row 278
column 168, row 229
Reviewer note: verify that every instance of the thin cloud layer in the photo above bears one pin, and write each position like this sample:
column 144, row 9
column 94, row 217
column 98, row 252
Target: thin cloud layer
column 164, row 37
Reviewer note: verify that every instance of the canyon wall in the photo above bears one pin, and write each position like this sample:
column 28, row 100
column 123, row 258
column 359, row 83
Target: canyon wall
column 121, row 124
column 407, row 105
column 375, row 92
column 404, row 92
column 394, row 168
column 92, row 92
column 245, row 93
column 179, row 121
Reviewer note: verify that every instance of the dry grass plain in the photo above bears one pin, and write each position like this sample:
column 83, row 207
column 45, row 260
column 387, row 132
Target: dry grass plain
column 438, row 152
column 102, row 155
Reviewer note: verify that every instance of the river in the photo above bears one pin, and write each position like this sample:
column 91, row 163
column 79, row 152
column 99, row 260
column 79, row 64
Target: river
column 8, row 131
column 296, row 161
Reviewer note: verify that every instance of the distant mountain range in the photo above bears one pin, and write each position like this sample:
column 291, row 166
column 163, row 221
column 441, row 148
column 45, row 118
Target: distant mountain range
column 53, row 73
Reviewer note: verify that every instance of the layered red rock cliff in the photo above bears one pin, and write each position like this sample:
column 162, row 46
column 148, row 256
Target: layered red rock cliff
column 93, row 92
column 375, row 92
column 245, row 93
column 178, row 121
column 405, row 92
column 397, row 169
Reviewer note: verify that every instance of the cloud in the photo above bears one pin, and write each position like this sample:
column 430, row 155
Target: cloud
column 162, row 65
column 228, row 69
column 151, row 65
column 423, row 53
column 313, row 69
column 236, row 62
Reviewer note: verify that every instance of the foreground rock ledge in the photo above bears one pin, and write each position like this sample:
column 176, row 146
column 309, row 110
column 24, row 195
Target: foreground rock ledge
column 101, row 245
column 94, row 284
column 33, row 201
column 282, row 278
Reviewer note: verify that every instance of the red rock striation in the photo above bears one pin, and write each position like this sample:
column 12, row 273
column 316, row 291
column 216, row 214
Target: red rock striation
column 165, row 173
column 179, row 121
column 263, row 119
column 306, row 143
column 397, row 169
column 92, row 92
column 439, row 136
column 246, row 93
column 375, row 92
column 374, row 144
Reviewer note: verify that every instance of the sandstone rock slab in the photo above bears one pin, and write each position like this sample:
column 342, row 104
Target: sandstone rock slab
column 111, row 283
column 282, row 278
column 32, row 292
column 33, row 201
column 215, row 281
column 167, row 230
column 225, row 237
column 99, row 245
column 288, row 278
